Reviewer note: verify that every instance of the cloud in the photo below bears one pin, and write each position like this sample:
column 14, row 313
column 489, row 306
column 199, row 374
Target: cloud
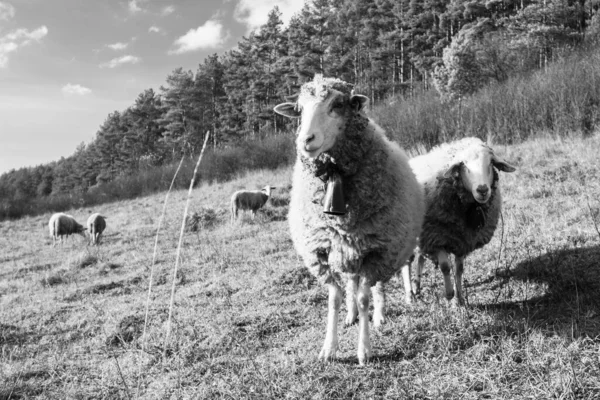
column 118, row 46
column 12, row 41
column 115, row 62
column 26, row 36
column 254, row 13
column 79, row 90
column 7, row 11
column 156, row 29
column 167, row 10
column 208, row 36
column 133, row 7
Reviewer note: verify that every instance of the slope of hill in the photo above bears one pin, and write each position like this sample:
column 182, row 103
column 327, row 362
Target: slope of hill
column 248, row 320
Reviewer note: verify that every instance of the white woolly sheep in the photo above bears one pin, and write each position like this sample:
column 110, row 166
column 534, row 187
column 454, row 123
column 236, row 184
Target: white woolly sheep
column 96, row 224
column 249, row 200
column 61, row 224
column 383, row 200
column 463, row 204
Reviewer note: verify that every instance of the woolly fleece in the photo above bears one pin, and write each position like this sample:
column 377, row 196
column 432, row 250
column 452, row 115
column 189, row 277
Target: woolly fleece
column 384, row 204
column 62, row 224
column 449, row 206
column 247, row 200
column 96, row 225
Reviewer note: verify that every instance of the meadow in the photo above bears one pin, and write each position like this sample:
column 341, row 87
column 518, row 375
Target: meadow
column 248, row 321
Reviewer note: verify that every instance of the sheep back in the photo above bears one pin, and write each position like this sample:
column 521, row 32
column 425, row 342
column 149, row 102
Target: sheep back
column 62, row 224
column 384, row 206
column 96, row 223
column 249, row 200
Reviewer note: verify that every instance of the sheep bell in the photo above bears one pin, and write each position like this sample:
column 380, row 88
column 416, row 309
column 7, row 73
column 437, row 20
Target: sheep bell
column 333, row 203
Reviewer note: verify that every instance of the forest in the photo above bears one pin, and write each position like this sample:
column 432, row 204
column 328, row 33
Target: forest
column 393, row 51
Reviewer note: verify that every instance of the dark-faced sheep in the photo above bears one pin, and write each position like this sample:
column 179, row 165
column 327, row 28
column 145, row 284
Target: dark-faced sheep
column 96, row 224
column 384, row 205
column 61, row 224
column 249, row 200
column 462, row 194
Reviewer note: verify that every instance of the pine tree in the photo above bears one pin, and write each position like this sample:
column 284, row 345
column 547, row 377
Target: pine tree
column 182, row 112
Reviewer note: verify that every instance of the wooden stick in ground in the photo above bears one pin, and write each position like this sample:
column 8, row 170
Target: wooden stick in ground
column 177, row 258
column 160, row 221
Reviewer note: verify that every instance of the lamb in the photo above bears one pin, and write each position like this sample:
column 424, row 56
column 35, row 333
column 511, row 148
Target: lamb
column 384, row 205
column 96, row 224
column 61, row 224
column 463, row 204
column 249, row 200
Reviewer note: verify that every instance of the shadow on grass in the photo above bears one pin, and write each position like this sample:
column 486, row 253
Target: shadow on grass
column 11, row 335
column 571, row 302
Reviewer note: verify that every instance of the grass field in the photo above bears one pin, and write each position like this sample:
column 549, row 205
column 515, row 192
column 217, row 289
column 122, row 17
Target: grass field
column 249, row 321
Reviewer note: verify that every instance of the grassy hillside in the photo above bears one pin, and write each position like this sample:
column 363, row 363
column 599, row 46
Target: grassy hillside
column 248, row 320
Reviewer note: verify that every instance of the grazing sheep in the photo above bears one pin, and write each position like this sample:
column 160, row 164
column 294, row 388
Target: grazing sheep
column 384, row 205
column 61, row 224
column 463, row 200
column 249, row 200
column 96, row 224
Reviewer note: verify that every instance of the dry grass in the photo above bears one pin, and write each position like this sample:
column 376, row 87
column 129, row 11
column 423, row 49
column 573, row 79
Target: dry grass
column 248, row 321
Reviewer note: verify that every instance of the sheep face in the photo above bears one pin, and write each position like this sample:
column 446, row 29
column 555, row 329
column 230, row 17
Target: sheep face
column 324, row 106
column 477, row 172
column 267, row 190
column 80, row 229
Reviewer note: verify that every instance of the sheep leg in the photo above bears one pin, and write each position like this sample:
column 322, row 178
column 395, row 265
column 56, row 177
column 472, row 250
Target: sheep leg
column 444, row 264
column 378, row 304
column 458, row 273
column 408, row 293
column 351, row 288
column 417, row 276
column 364, row 342
column 331, row 339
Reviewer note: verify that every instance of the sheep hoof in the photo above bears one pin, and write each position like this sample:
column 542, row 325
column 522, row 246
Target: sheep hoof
column 327, row 354
column 458, row 302
column 364, row 356
column 378, row 320
column 416, row 287
column 350, row 320
column 410, row 298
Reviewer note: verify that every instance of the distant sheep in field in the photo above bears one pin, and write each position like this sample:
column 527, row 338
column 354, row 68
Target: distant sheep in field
column 96, row 224
column 61, row 224
column 249, row 200
column 379, row 205
column 463, row 200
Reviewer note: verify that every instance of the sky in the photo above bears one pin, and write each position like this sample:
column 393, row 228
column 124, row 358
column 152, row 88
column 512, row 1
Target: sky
column 66, row 64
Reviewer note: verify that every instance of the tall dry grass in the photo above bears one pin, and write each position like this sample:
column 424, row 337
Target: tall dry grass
column 563, row 99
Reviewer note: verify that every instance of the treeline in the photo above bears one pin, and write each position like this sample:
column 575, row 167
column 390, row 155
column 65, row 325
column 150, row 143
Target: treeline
column 391, row 50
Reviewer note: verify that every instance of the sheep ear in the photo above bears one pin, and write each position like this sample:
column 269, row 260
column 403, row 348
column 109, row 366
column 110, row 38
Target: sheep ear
column 287, row 110
column 358, row 102
column 502, row 165
column 453, row 171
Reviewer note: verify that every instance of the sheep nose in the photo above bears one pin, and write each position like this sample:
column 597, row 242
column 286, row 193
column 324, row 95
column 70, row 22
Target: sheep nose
column 483, row 190
column 309, row 139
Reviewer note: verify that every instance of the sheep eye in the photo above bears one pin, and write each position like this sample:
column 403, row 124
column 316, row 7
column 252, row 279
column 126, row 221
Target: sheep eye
column 338, row 104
